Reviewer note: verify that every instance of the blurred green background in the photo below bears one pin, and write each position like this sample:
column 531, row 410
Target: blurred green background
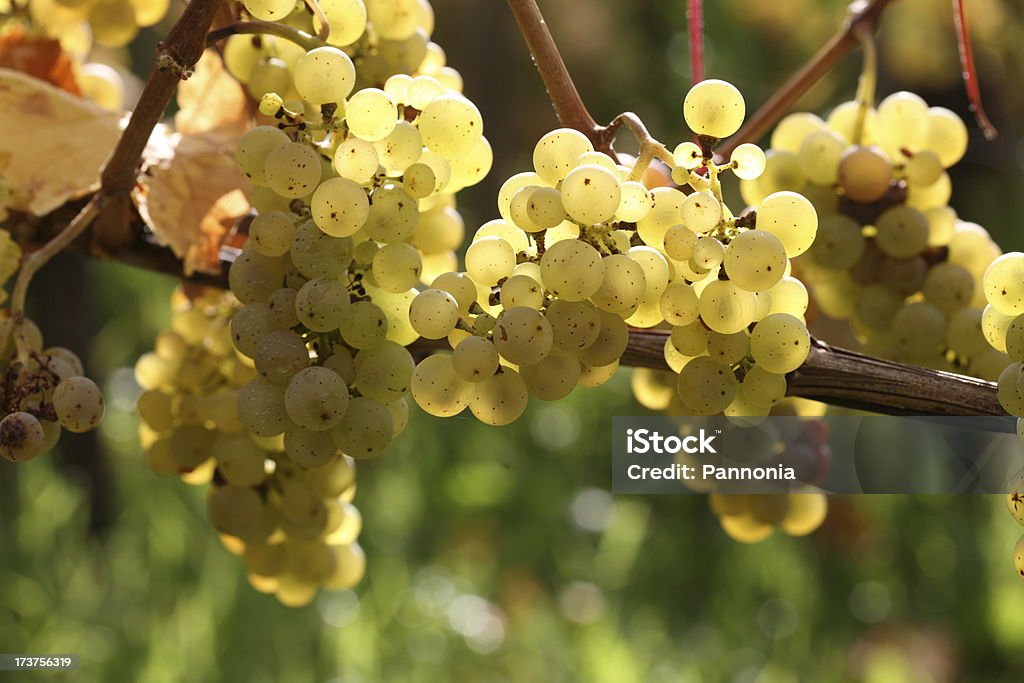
column 499, row 555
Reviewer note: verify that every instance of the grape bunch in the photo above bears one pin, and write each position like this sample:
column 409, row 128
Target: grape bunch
column 77, row 24
column 891, row 256
column 286, row 509
column 584, row 250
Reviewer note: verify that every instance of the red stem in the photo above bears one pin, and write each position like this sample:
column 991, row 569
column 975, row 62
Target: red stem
column 970, row 72
column 695, row 17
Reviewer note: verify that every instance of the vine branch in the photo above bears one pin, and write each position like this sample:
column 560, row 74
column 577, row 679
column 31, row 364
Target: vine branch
column 970, row 72
column 695, row 18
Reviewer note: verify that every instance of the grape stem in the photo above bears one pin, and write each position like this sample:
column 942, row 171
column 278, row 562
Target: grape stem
column 868, row 79
column 650, row 149
column 863, row 13
column 970, row 72
column 318, row 12
column 266, row 28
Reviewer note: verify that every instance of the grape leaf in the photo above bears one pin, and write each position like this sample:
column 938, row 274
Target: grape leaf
column 52, row 144
column 38, row 56
column 192, row 194
column 211, row 99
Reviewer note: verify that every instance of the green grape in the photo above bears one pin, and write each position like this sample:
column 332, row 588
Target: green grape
column 780, row 343
column 1009, row 386
column 610, row 344
column 793, row 129
column 572, row 270
column 253, row 150
column 265, row 559
column 397, row 267
column 553, row 378
column 269, row 10
column 1015, row 496
column 317, row 254
column 321, row 304
column 782, row 171
column 941, row 225
column 949, row 287
column 865, row 173
column 293, row 170
column 522, row 290
column 806, row 512
column 316, row 398
column 270, row 104
column 396, row 308
column 402, row 147
column 279, row 355
column 839, row 244
column 635, row 202
column 509, row 189
column 422, row 91
column 1018, row 557
column 755, row 260
column 556, row 153
column 78, row 403
column 346, row 18
column 655, row 267
column 112, row 23
column 191, row 446
column 919, row 329
column 680, row 242
column 261, row 408
column 666, row 205
column 441, row 168
column 726, row 308
column 995, row 326
column 434, row 313
column 972, row 248
column 1015, row 339
column 323, row 75
column 964, row 334
column 708, row 253
column 473, row 166
column 438, row 389
column 237, row 511
column 714, row 108
column 271, row 233
column 903, row 121
column 595, row 376
column 819, row 154
column 902, row 232
column 383, row 372
column 420, row 181
column 544, row 207
column 927, row 197
column 22, row 437
column 371, row 114
column 1004, row 283
column 399, row 415
column 490, row 259
column 356, row 159
column 516, row 238
column 475, row 359
column 762, row 387
column 270, row 75
column 240, row 461
column 451, row 126
column 393, row 214
column 591, row 194
column 706, row 387
column 366, row 430
column 857, row 123
column 679, row 304
column 500, row 399
column 523, row 335
column 156, row 410
column 728, row 349
column 747, row 161
column 460, row 286
column 341, row 361
column 574, row 325
column 254, row 277
column 241, row 53
column 923, row 168
column 946, row 136
column 988, row 365
column 701, row 212
column 340, row 207
column 789, row 295
column 790, row 217
column 688, row 155
column 622, row 286
column 439, row 230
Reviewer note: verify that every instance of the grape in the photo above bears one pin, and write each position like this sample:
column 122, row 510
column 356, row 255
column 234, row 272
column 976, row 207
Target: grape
column 706, row 387
column 949, row 287
column 384, row 372
column 371, row 114
column 22, row 437
column 350, row 566
column 253, row 150
column 688, row 155
column 366, row 429
column 451, row 126
column 708, row 254
column 261, row 408
column 102, row 85
column 789, row 296
column 434, row 313
column 393, row 214
column 964, row 334
column 762, row 387
column 500, row 399
column 1004, row 283
column 317, row 254
column 279, row 355
column 553, row 378
column 271, row 233
column 346, row 18
column 544, row 208
column 610, row 344
column 438, row 388
column 475, row 359
column 655, row 267
column 903, row 121
column 819, row 154
column 1015, row 497
column 595, row 376
column 591, row 194
column 316, row 398
column 420, row 180
column 902, row 232
column 728, row 349
column 726, row 308
column 356, row 159
column 79, row 404
column 293, row 170
column 780, row 343
column 321, row 304
column 397, row 267
column 439, row 230
column 402, row 147
column 1018, row 556
column 680, row 242
column 946, row 136
column 1014, row 338
column 747, row 161
column 523, row 335
column 805, row 513
column 269, row 10
column 574, row 325
column 865, row 173
column 714, row 108
column 555, row 154
column 473, row 166
column 249, row 326
column 340, row 207
column 253, row 277
column 572, row 270
column 679, row 304
column 458, row 285
column 1009, row 386
column 791, row 218
column 755, row 260
column 839, row 244
column 793, row 129
column 490, row 259
column 701, row 212
column 851, row 119
column 240, row 461
column 323, row 75
column 923, row 168
column 112, row 23
column 237, row 511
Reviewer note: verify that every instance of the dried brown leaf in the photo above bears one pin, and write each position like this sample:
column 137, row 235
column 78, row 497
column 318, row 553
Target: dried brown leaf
column 211, row 99
column 38, row 56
